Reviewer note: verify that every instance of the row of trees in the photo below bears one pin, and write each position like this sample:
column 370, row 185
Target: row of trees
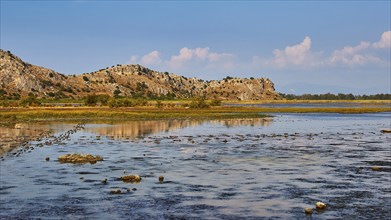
column 339, row 96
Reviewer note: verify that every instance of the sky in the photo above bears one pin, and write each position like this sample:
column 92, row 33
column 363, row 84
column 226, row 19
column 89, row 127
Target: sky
column 302, row 46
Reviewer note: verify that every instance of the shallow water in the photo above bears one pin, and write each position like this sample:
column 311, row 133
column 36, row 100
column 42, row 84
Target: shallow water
column 317, row 105
column 231, row 169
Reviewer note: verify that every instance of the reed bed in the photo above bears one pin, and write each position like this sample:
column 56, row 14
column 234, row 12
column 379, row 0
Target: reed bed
column 91, row 113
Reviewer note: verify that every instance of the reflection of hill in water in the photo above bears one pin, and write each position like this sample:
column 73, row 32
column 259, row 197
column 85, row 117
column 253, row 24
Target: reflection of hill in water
column 132, row 129
column 244, row 122
column 11, row 137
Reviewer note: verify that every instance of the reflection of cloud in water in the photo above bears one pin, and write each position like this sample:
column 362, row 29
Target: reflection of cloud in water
column 132, row 129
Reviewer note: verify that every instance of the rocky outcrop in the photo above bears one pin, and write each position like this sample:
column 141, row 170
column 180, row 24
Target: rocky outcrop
column 18, row 78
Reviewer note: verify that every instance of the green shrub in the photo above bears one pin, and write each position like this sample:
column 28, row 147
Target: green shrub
column 198, row 102
column 30, row 101
column 91, row 100
column 159, row 104
column 215, row 102
column 141, row 102
column 4, row 103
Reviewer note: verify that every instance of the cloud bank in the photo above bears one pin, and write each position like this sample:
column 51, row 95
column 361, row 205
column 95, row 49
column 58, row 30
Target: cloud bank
column 301, row 56
column 384, row 42
column 187, row 57
column 298, row 55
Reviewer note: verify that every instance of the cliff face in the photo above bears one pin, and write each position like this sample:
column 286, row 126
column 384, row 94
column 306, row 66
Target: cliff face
column 18, row 77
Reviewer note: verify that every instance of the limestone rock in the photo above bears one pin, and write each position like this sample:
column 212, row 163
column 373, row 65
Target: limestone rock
column 18, row 78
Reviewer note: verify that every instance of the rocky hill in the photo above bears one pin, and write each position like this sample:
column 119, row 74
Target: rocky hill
column 18, row 78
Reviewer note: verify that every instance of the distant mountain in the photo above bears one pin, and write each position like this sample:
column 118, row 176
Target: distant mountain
column 20, row 78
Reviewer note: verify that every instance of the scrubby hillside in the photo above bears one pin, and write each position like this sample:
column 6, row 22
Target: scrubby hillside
column 18, row 78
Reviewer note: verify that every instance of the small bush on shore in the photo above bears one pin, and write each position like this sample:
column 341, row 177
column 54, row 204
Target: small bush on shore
column 30, row 101
column 215, row 102
column 125, row 102
column 198, row 102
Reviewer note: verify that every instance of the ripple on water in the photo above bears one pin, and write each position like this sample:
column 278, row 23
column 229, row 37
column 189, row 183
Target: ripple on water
column 212, row 171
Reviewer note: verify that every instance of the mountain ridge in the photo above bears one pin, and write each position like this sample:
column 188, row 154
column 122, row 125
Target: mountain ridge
column 19, row 78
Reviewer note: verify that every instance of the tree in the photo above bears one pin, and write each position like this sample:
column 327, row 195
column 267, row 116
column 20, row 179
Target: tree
column 91, row 100
column 215, row 102
column 116, row 92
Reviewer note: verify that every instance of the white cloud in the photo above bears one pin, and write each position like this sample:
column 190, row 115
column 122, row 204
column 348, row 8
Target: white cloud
column 300, row 55
column 188, row 58
column 201, row 53
column 177, row 61
column 294, row 56
column 134, row 59
column 362, row 54
column 152, row 58
column 297, row 55
column 203, row 56
column 351, row 55
column 384, row 42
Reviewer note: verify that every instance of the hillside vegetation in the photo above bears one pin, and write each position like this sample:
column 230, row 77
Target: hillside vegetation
column 20, row 79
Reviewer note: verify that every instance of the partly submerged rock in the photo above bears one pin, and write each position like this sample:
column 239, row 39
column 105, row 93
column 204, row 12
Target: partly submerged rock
column 131, row 178
column 308, row 210
column 376, row 168
column 115, row 191
column 79, row 158
column 320, row 205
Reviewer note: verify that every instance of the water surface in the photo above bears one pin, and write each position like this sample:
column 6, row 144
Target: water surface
column 231, row 169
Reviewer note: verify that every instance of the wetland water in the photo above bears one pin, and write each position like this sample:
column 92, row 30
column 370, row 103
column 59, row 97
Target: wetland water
column 225, row 169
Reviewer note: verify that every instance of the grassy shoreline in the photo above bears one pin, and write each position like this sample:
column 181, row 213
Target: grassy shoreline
column 150, row 113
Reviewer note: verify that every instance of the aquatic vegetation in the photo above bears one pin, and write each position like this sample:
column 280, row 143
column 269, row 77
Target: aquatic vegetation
column 44, row 114
column 79, row 158
column 8, row 115
column 131, row 178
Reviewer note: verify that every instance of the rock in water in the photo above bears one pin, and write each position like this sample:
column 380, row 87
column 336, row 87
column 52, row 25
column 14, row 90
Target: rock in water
column 308, row 210
column 79, row 158
column 131, row 178
column 320, row 205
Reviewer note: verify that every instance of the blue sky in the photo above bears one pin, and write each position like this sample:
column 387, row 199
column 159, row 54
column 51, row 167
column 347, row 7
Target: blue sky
column 303, row 46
